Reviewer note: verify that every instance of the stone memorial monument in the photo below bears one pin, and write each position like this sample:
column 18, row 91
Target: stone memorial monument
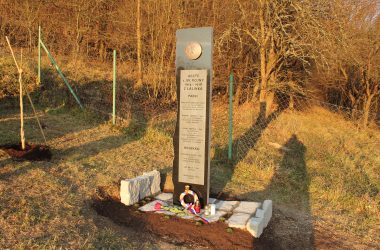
column 191, row 165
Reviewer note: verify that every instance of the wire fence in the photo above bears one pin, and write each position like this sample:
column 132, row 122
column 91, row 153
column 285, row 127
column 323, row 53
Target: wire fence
column 266, row 129
column 254, row 130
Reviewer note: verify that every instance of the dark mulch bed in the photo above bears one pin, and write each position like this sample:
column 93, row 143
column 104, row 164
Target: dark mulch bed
column 32, row 152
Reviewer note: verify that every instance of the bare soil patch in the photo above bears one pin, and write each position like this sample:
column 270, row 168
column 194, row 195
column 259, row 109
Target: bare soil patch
column 32, row 152
column 288, row 229
column 175, row 230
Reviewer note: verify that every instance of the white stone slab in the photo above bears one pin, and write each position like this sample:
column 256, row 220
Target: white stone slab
column 227, row 206
column 144, row 186
column 247, row 207
column 260, row 213
column 170, row 202
column 212, row 200
column 216, row 216
column 150, row 206
column 255, row 226
column 238, row 220
column 212, row 209
column 129, row 191
column 164, row 196
column 155, row 180
column 268, row 210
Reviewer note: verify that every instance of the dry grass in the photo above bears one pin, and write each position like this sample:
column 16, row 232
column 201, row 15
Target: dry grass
column 47, row 204
column 332, row 172
column 330, row 175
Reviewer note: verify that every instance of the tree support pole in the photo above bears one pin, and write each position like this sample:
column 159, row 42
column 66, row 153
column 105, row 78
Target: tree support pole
column 230, row 117
column 39, row 56
column 114, row 90
column 19, row 69
column 22, row 132
column 61, row 74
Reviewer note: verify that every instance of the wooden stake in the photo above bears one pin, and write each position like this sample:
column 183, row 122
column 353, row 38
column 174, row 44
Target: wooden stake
column 22, row 133
column 26, row 91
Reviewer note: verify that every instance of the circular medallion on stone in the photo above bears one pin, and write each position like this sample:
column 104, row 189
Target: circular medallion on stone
column 193, row 50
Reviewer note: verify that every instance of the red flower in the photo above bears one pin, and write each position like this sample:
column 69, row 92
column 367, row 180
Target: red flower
column 157, row 206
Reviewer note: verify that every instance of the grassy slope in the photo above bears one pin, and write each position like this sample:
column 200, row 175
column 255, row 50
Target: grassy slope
column 336, row 178
column 48, row 203
column 332, row 173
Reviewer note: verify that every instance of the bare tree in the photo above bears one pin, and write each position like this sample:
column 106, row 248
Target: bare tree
column 279, row 32
column 278, row 45
column 354, row 56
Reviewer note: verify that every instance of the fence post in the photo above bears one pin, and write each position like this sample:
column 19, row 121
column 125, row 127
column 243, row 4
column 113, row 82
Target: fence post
column 61, row 74
column 114, row 89
column 230, row 117
column 39, row 55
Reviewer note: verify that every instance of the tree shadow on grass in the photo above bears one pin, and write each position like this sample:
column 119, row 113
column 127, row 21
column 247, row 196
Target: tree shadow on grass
column 17, row 171
column 290, row 180
column 243, row 144
column 53, row 93
column 4, row 162
column 77, row 153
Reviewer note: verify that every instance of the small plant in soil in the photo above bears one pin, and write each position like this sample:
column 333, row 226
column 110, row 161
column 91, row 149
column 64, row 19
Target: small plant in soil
column 24, row 150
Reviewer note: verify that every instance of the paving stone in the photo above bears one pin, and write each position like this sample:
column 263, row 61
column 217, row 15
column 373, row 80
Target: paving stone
column 227, row 206
column 255, row 226
column 212, row 200
column 129, row 191
column 216, row 216
column 144, row 186
column 260, row 213
column 170, row 201
column 150, row 206
column 238, row 220
column 268, row 209
column 155, row 180
column 247, row 207
column 164, row 197
column 212, row 209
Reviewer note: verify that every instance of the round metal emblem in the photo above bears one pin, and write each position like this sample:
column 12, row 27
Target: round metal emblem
column 193, row 50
